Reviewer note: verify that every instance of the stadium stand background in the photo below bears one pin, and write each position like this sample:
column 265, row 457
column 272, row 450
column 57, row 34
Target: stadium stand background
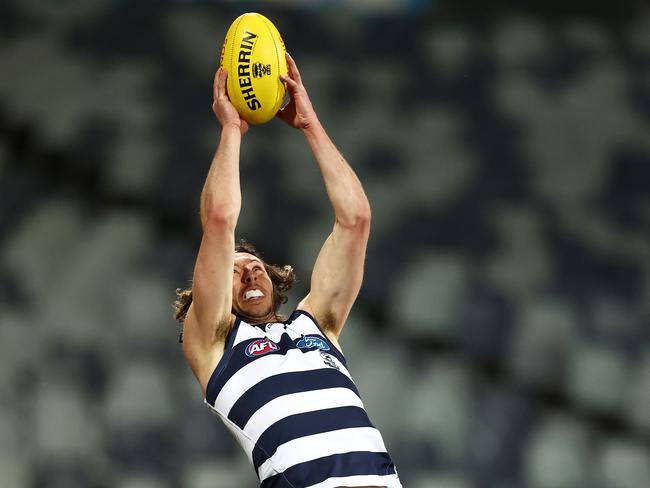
column 502, row 336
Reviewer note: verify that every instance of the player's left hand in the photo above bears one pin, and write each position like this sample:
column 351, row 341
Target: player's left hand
column 298, row 113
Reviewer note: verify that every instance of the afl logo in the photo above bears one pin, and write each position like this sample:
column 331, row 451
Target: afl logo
column 260, row 347
column 309, row 342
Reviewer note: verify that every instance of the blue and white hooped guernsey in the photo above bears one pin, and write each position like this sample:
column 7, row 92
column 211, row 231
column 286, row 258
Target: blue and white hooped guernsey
column 285, row 393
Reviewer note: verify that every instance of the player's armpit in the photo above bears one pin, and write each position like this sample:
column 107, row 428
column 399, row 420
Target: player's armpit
column 337, row 275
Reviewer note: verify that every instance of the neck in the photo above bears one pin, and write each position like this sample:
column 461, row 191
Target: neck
column 272, row 317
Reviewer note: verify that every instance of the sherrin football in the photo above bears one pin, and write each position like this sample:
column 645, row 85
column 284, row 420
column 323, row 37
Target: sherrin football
column 254, row 55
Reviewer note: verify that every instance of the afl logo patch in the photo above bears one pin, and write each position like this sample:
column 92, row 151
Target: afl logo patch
column 309, row 342
column 260, row 347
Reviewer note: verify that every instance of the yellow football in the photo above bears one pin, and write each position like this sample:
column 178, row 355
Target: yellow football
column 254, row 55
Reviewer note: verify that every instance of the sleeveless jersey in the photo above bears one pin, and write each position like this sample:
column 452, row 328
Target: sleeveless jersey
column 284, row 391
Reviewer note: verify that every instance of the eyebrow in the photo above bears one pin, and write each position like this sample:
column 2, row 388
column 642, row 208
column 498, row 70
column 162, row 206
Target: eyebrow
column 254, row 260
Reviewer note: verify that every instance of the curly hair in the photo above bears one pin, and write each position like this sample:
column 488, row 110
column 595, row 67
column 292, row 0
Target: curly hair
column 282, row 277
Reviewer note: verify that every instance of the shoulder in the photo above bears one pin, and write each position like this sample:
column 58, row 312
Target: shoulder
column 202, row 353
column 303, row 316
column 324, row 321
column 308, row 324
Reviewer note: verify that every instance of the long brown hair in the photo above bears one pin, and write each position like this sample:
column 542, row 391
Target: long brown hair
column 282, row 277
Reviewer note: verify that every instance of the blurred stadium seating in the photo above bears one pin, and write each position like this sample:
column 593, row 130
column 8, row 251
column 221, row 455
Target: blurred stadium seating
column 502, row 337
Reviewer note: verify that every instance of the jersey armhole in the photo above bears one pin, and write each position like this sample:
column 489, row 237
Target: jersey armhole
column 337, row 352
column 210, row 396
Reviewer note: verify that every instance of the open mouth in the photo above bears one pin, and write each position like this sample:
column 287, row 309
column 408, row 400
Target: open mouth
column 253, row 294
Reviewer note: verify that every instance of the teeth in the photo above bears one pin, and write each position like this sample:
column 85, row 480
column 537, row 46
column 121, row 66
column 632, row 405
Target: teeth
column 253, row 294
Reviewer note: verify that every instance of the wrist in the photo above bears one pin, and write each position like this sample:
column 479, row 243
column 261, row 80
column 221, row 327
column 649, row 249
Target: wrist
column 233, row 126
column 236, row 124
column 312, row 128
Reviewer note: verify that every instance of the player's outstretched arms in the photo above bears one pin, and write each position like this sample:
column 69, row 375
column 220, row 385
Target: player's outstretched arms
column 209, row 318
column 338, row 272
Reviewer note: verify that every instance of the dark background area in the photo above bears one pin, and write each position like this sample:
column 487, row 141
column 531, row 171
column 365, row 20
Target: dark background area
column 502, row 335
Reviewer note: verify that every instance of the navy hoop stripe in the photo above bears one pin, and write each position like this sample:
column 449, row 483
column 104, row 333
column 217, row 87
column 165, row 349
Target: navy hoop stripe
column 285, row 384
column 335, row 466
column 304, row 424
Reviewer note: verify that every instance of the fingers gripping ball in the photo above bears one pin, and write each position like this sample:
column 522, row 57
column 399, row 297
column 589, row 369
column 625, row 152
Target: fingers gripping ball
column 254, row 55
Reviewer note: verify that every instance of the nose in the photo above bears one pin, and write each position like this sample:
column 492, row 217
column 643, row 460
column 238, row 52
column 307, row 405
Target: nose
column 248, row 276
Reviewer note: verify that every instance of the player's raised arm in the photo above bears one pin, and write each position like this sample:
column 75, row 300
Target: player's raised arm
column 338, row 272
column 209, row 317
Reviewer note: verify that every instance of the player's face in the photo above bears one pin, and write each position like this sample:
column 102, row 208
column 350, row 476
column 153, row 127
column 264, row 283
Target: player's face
column 252, row 288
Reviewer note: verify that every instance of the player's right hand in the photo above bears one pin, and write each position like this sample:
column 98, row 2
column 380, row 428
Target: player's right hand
column 298, row 113
column 224, row 110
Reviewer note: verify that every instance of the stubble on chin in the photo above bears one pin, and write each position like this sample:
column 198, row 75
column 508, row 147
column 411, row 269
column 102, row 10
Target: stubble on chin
column 252, row 317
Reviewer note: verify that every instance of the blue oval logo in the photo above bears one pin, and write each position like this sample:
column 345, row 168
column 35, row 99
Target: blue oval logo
column 311, row 342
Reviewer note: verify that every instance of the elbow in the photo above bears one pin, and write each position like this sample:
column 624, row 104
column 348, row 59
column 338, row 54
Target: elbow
column 219, row 217
column 358, row 219
column 363, row 217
